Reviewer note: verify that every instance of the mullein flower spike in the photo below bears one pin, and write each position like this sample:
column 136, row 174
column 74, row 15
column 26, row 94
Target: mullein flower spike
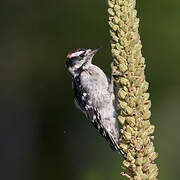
column 133, row 99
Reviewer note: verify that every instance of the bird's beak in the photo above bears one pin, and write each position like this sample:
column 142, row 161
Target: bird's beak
column 94, row 51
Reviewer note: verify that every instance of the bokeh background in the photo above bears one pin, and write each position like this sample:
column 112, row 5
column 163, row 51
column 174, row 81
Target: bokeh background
column 42, row 135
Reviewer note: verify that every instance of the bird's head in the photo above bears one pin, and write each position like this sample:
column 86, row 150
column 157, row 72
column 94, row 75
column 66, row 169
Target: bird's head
column 79, row 58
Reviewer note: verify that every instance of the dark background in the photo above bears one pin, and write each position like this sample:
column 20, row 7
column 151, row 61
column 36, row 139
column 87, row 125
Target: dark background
column 42, row 135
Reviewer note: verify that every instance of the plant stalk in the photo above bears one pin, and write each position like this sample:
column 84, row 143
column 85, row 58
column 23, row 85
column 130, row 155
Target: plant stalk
column 133, row 98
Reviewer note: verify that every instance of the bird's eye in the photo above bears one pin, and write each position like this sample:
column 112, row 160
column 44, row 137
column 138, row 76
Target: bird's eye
column 82, row 55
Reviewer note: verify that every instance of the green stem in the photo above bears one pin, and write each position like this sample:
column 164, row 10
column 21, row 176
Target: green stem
column 133, row 99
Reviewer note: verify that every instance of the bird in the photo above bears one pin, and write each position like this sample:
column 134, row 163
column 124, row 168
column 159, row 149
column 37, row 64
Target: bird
column 94, row 94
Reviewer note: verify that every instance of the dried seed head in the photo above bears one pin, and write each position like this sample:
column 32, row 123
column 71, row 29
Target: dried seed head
column 133, row 99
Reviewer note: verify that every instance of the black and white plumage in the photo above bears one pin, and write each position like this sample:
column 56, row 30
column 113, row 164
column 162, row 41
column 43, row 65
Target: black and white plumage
column 94, row 94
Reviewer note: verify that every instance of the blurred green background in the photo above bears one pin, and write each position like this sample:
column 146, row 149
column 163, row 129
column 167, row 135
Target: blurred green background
column 42, row 135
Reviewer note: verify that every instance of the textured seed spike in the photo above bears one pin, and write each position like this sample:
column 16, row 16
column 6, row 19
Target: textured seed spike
column 133, row 99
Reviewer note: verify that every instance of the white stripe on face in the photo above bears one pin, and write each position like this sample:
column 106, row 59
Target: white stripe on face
column 76, row 54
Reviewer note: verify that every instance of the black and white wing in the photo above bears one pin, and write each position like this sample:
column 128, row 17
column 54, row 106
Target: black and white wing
column 81, row 102
column 95, row 118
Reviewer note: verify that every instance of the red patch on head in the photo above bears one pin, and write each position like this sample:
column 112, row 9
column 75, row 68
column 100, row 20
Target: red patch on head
column 69, row 55
column 71, row 52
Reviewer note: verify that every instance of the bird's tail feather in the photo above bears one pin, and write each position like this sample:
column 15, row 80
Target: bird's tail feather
column 115, row 145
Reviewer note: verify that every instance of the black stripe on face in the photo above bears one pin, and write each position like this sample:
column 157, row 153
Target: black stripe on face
column 72, row 61
column 83, row 54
